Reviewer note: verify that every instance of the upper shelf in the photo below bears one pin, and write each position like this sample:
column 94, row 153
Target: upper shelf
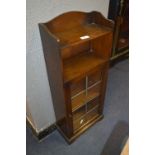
column 75, row 27
column 80, row 33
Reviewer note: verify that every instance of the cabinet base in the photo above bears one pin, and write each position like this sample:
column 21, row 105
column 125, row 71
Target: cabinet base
column 87, row 126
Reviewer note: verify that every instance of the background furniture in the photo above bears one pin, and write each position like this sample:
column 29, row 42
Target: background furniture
column 119, row 12
column 77, row 49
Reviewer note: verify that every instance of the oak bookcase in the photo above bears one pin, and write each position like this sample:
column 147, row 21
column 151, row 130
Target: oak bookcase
column 77, row 49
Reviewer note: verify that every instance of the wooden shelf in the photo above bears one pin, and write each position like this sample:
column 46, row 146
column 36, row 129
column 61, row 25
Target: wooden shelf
column 82, row 99
column 72, row 36
column 80, row 64
column 86, row 109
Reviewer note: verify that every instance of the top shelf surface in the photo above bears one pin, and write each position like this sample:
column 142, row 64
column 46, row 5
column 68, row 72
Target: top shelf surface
column 80, row 34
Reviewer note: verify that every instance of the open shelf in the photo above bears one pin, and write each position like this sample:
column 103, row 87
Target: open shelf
column 80, row 64
column 73, row 36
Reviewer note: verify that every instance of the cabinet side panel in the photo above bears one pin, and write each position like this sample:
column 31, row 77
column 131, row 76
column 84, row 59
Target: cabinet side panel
column 54, row 71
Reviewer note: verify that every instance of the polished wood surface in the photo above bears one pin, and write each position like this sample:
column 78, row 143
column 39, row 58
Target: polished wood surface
column 80, row 64
column 72, row 36
column 54, row 71
column 77, row 49
column 76, row 18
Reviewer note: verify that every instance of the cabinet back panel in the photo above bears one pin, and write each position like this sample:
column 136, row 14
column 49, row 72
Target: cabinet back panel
column 102, row 46
column 74, row 50
column 73, row 19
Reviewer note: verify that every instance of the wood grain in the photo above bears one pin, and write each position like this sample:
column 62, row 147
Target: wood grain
column 81, row 64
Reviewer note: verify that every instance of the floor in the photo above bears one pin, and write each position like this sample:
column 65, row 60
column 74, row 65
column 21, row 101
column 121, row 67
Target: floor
column 93, row 140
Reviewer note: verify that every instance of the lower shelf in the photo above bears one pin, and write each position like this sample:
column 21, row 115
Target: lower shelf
column 81, row 99
column 82, row 130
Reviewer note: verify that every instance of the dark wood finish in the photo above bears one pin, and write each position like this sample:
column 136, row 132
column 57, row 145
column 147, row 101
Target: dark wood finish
column 86, row 127
column 119, row 12
column 77, row 49
column 54, row 70
column 80, row 64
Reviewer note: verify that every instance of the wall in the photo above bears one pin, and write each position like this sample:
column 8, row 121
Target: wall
column 39, row 99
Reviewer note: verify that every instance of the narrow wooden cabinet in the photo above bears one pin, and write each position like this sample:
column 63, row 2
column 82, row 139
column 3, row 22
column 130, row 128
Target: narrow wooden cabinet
column 77, row 49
